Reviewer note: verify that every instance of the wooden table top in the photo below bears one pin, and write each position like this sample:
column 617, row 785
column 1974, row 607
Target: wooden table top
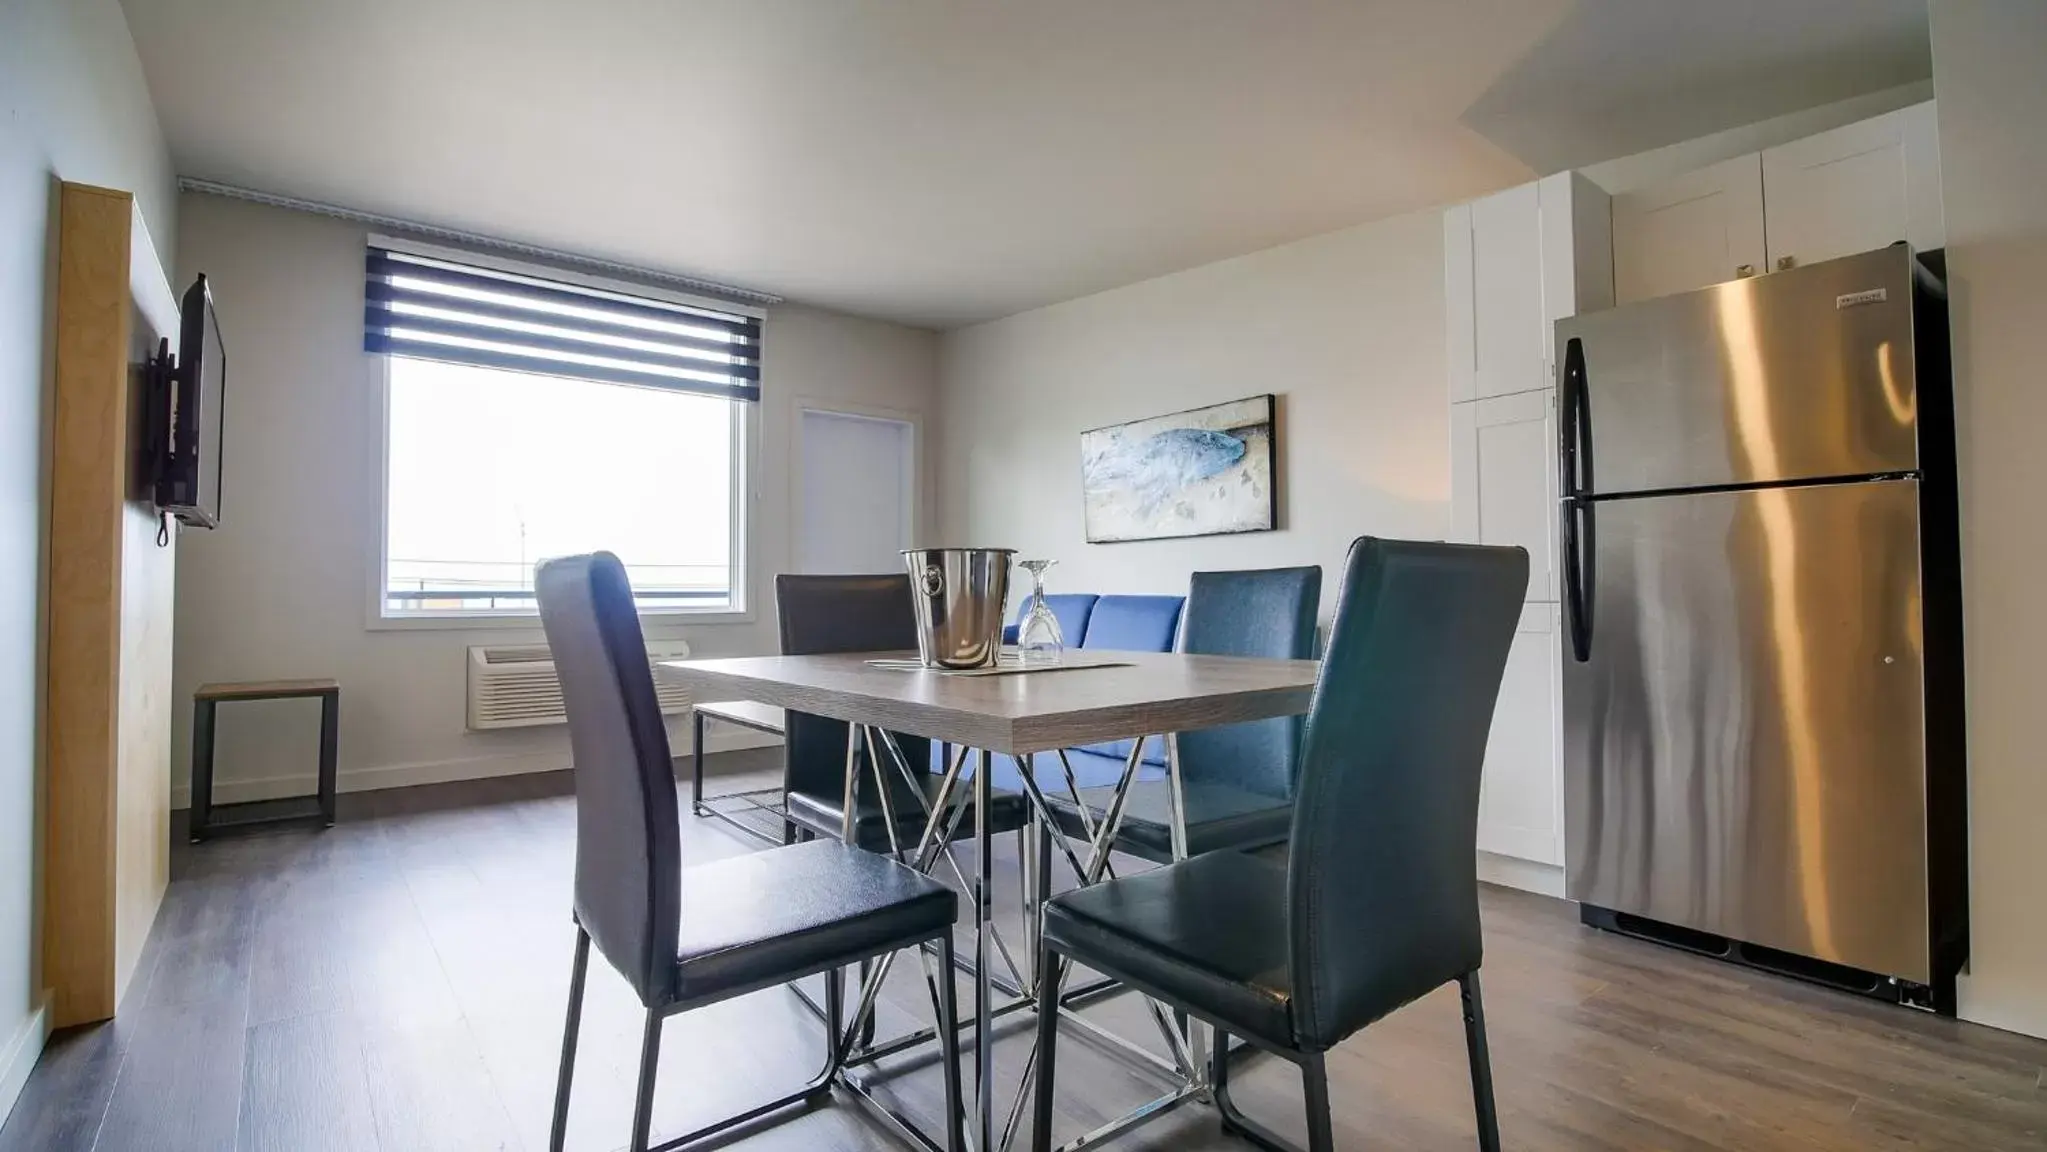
column 1017, row 713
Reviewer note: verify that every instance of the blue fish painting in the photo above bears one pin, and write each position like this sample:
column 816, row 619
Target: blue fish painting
column 1190, row 474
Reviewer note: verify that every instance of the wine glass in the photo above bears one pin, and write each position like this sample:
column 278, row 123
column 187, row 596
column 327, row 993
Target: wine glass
column 1038, row 639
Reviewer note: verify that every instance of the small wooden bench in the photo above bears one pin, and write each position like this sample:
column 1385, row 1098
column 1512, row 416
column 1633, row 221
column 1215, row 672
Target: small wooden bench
column 320, row 806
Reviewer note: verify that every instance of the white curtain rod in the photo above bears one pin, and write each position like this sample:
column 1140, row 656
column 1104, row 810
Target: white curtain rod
column 477, row 240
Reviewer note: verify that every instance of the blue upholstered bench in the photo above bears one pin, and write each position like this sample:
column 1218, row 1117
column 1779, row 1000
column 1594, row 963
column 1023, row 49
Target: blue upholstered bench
column 1112, row 623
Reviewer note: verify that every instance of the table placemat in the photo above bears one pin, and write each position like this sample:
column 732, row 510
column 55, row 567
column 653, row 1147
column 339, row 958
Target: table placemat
column 1007, row 664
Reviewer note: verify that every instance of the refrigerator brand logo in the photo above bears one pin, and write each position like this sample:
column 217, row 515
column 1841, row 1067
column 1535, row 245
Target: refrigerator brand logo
column 1872, row 296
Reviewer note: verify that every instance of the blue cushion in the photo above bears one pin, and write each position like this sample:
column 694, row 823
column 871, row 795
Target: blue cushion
column 1072, row 610
column 1134, row 623
column 1091, row 769
column 1121, row 623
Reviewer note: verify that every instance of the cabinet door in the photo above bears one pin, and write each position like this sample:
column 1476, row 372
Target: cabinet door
column 1856, row 188
column 1689, row 231
column 1519, row 802
column 1503, row 479
column 1506, row 279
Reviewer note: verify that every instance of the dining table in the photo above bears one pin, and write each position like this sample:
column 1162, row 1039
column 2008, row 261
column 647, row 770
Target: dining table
column 1023, row 710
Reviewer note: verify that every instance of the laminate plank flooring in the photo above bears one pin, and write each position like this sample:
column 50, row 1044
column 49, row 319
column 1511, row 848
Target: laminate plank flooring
column 397, row 982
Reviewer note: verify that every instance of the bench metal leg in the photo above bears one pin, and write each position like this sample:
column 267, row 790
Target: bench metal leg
column 201, row 814
column 696, row 763
column 330, row 751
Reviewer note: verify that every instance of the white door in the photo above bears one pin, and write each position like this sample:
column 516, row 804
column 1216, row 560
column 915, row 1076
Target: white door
column 1503, row 479
column 1690, row 231
column 1520, row 799
column 858, row 492
column 1856, row 188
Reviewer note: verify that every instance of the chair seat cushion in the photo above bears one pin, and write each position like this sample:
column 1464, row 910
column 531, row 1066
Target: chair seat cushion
column 1218, row 817
column 824, row 815
column 1208, row 933
column 766, row 918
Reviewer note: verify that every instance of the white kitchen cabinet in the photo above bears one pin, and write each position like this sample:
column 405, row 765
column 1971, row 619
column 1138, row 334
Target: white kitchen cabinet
column 1494, row 271
column 1856, row 188
column 1700, row 228
column 1503, row 479
column 1514, row 263
column 1520, row 807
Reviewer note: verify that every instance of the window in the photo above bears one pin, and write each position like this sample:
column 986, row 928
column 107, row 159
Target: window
column 527, row 419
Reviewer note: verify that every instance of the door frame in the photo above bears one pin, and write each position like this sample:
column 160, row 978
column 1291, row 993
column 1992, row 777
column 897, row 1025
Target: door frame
column 913, row 483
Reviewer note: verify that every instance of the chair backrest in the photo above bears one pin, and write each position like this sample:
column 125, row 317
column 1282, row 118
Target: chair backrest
column 1382, row 874
column 1268, row 613
column 628, row 851
column 819, row 615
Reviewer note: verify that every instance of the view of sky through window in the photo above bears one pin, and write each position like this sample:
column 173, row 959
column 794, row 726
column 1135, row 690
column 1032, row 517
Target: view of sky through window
column 491, row 471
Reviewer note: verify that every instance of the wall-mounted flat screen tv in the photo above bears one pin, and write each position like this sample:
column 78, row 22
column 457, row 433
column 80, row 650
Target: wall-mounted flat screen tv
column 192, row 405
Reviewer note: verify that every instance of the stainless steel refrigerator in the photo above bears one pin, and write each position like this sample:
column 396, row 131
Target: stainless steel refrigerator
column 1762, row 669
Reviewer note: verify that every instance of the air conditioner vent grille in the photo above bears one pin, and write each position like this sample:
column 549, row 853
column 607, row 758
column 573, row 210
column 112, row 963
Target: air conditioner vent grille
column 514, row 686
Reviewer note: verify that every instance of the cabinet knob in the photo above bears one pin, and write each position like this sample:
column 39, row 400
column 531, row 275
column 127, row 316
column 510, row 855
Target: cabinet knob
column 1744, row 271
column 1786, row 263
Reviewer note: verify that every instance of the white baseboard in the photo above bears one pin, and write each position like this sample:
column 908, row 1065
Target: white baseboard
column 726, row 738
column 1527, row 875
column 19, row 1056
column 1979, row 1005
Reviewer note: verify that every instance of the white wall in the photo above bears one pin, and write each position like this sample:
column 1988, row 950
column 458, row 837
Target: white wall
column 281, row 589
column 1990, row 73
column 1346, row 328
column 73, row 106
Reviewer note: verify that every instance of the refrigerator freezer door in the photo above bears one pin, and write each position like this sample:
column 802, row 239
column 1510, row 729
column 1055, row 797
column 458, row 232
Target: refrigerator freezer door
column 1743, row 744
column 1797, row 375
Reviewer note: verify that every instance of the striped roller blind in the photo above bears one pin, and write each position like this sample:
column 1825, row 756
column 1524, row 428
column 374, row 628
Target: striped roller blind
column 438, row 309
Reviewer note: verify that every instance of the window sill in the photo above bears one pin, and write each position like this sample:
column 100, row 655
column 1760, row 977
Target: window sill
column 650, row 622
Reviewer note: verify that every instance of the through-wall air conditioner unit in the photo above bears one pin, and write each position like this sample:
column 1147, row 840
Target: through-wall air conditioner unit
column 514, row 686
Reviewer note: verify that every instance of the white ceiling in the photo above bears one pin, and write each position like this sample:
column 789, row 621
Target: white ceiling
column 940, row 162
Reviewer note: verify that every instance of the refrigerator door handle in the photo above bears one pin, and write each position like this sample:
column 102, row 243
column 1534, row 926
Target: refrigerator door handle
column 1577, row 549
column 1571, row 401
column 1571, row 457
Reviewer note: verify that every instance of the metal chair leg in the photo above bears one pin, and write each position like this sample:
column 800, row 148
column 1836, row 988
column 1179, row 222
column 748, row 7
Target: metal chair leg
column 834, row 1021
column 559, row 1133
column 866, row 1037
column 1315, row 1082
column 643, row 1103
column 1048, row 1046
column 1234, row 1122
column 1481, row 1064
column 949, row 1047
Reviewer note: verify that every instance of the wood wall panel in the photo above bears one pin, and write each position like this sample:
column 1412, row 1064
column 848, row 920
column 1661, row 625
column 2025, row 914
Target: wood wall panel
column 107, row 710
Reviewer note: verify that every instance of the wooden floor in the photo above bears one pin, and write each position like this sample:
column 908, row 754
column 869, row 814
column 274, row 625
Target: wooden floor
column 397, row 982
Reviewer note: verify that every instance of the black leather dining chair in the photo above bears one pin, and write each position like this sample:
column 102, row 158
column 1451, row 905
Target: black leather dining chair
column 821, row 615
column 688, row 937
column 1377, row 904
column 1238, row 779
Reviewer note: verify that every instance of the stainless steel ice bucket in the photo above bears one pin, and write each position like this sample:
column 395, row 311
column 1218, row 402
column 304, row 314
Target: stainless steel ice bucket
column 961, row 595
